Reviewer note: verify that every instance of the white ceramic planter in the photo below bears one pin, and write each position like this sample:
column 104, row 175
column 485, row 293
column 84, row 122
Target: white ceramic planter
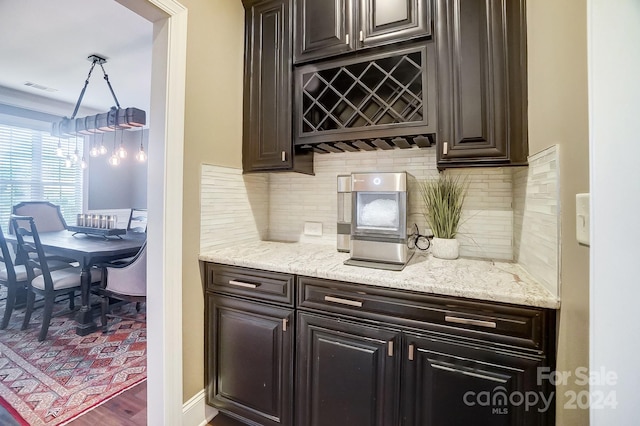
column 445, row 248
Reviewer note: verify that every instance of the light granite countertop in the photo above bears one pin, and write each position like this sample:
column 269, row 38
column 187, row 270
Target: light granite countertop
column 476, row 279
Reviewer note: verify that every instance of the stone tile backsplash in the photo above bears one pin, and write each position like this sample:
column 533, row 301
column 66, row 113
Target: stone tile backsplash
column 233, row 206
column 296, row 198
column 536, row 209
column 510, row 213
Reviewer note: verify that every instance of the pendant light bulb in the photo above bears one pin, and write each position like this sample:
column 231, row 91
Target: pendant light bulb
column 102, row 150
column 68, row 162
column 94, row 151
column 122, row 153
column 114, row 160
column 75, row 156
column 141, row 156
column 83, row 163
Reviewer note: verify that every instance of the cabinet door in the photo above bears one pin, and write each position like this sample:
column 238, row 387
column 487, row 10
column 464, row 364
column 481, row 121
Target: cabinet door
column 481, row 81
column 267, row 140
column 323, row 28
column 348, row 373
column 249, row 360
column 390, row 21
column 447, row 383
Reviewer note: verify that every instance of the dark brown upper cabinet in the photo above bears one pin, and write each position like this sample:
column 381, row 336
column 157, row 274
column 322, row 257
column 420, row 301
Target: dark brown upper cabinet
column 266, row 134
column 482, row 95
column 326, row 28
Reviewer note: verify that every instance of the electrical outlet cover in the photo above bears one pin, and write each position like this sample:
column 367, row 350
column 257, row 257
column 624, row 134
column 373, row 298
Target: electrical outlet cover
column 313, row 229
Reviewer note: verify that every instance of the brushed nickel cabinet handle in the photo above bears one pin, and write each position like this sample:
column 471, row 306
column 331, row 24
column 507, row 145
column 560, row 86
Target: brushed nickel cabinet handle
column 346, row 38
column 284, row 324
column 242, row 284
column 411, row 349
column 445, row 148
column 361, row 36
column 442, row 367
column 283, row 155
column 468, row 373
column 390, row 348
column 355, row 303
column 467, row 321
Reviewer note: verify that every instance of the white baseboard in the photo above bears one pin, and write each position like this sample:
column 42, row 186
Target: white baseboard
column 195, row 412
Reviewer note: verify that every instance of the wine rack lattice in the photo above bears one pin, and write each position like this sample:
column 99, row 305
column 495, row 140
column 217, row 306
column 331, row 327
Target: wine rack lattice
column 383, row 91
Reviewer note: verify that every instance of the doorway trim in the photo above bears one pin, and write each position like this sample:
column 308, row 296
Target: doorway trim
column 164, row 203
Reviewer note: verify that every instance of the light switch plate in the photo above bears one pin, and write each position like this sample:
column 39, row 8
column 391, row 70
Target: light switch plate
column 582, row 219
column 313, row 229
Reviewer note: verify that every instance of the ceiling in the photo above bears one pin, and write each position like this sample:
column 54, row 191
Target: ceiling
column 47, row 43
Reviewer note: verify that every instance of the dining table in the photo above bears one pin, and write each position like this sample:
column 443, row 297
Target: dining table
column 89, row 250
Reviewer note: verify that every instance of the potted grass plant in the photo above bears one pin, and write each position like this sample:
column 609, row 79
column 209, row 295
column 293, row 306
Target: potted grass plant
column 442, row 208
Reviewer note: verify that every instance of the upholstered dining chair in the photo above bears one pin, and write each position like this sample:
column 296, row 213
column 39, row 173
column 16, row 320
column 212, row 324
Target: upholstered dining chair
column 43, row 280
column 125, row 282
column 13, row 277
column 47, row 216
column 137, row 220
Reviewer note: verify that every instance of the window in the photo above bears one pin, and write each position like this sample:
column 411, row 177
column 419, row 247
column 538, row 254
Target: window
column 30, row 170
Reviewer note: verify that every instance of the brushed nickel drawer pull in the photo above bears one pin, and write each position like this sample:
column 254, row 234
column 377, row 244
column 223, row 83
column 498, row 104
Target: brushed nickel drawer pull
column 468, row 321
column 411, row 348
column 442, row 367
column 390, row 348
column 284, row 324
column 355, row 303
column 468, row 373
column 242, row 284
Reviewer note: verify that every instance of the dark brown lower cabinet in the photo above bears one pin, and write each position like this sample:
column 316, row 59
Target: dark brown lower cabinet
column 250, row 360
column 291, row 350
column 446, row 383
column 348, row 373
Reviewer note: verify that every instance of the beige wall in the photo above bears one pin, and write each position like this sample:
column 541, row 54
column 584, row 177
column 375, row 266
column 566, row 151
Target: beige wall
column 213, row 134
column 558, row 114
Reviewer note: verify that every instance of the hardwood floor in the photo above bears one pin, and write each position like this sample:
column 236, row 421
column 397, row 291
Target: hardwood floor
column 222, row 420
column 127, row 409
column 130, row 409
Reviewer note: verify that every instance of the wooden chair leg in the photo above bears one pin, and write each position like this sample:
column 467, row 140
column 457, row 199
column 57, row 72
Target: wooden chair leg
column 31, row 298
column 72, row 300
column 46, row 317
column 11, row 300
column 104, row 308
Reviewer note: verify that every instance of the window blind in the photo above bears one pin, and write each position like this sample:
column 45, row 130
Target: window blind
column 30, row 170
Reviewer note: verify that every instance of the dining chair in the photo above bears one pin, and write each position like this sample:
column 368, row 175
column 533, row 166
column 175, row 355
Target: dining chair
column 126, row 282
column 44, row 280
column 137, row 220
column 46, row 215
column 13, row 277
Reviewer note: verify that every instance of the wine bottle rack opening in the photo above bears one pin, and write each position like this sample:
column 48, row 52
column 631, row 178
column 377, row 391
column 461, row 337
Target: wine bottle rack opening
column 373, row 93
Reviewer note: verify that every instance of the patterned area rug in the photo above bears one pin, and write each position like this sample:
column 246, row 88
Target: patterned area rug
column 52, row 382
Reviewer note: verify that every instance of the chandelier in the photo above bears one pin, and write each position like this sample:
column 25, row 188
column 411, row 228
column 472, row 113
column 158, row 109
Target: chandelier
column 117, row 118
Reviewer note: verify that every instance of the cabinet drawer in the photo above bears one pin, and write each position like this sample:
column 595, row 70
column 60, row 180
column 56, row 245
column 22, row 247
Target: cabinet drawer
column 510, row 326
column 252, row 283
